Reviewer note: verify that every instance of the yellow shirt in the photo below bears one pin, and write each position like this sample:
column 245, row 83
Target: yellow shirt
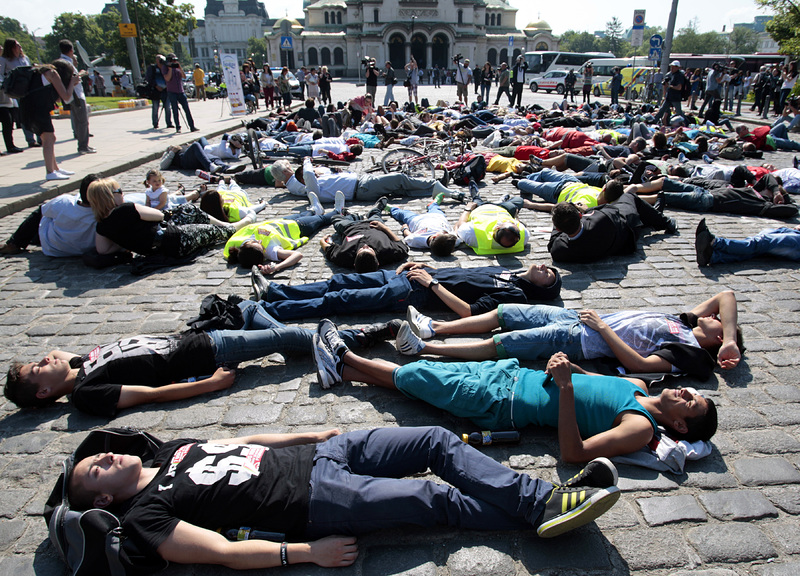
column 502, row 164
column 199, row 76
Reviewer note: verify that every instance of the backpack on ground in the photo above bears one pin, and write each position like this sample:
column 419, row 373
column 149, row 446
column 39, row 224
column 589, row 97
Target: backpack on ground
column 474, row 168
column 92, row 542
column 424, row 103
column 18, row 82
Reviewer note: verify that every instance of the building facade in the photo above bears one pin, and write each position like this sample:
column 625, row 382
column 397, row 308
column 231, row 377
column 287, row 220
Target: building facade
column 340, row 33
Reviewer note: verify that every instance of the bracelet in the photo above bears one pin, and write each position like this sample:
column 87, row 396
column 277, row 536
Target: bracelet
column 284, row 554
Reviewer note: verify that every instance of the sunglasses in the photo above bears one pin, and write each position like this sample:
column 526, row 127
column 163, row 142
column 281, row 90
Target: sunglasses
column 117, row 191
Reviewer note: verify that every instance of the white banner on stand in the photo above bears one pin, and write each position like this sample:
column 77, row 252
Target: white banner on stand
column 230, row 70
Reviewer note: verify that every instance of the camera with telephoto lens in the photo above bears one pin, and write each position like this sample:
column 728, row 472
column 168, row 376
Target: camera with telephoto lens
column 172, row 61
column 457, row 58
column 368, row 62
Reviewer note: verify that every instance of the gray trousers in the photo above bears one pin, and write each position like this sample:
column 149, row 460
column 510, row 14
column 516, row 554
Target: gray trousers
column 370, row 188
column 79, row 116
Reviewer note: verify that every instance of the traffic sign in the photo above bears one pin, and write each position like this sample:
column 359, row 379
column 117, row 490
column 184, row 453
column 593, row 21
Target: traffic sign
column 510, row 41
column 655, row 54
column 127, row 30
column 286, row 42
column 656, row 41
column 638, row 18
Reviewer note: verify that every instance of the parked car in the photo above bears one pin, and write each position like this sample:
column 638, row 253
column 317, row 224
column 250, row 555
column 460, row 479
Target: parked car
column 634, row 78
column 297, row 93
column 553, row 80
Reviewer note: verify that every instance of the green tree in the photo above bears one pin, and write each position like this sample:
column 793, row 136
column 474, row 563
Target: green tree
column 74, row 27
column 10, row 28
column 258, row 48
column 572, row 41
column 688, row 41
column 785, row 24
column 613, row 37
column 743, row 41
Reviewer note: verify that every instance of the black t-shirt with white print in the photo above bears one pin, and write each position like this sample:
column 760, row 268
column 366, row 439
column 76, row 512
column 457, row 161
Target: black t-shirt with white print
column 222, row 486
column 137, row 361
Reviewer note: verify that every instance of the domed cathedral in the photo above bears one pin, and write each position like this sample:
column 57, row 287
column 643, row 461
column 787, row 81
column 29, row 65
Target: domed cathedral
column 433, row 31
column 340, row 33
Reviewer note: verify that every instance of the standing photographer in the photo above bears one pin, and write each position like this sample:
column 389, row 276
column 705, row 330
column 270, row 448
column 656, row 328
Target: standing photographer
column 463, row 74
column 389, row 79
column 174, row 76
column 371, row 75
column 518, row 80
column 412, row 72
column 158, row 91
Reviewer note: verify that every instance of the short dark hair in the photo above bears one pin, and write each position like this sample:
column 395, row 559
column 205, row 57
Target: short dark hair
column 211, row 204
column 680, row 171
column 442, row 244
column 698, row 428
column 80, row 497
column 566, row 217
column 660, row 140
column 21, row 391
column 88, row 179
column 356, row 149
column 638, row 144
column 65, row 46
column 247, row 255
column 309, row 102
column 614, row 189
column 366, row 261
column 507, row 231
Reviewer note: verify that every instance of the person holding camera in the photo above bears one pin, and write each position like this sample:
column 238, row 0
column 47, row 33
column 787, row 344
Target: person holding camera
column 158, row 91
column 463, row 77
column 518, row 80
column 174, row 77
column 372, row 75
column 79, row 114
column 389, row 79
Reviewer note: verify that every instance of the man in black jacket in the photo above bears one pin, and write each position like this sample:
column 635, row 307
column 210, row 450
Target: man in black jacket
column 608, row 230
column 365, row 244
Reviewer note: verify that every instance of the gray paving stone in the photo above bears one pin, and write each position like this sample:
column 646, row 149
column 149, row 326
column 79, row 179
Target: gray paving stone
column 731, row 542
column 712, row 572
column 481, row 561
column 778, row 569
column 768, row 442
column 670, row 509
column 737, row 505
column 538, row 554
column 653, row 549
column 12, row 501
column 399, row 561
column 786, row 498
column 249, row 415
column 786, row 534
column 765, row 471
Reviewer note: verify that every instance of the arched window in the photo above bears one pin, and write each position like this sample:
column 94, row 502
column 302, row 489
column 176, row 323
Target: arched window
column 498, row 19
column 504, row 56
column 492, row 57
column 338, row 17
column 460, row 16
column 487, row 19
column 376, row 16
column 325, row 54
column 493, row 19
column 542, row 46
column 312, row 57
column 338, row 57
column 327, row 18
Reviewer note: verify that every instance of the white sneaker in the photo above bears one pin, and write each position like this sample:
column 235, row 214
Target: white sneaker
column 408, row 343
column 316, row 205
column 327, row 375
column 56, row 176
column 66, row 172
column 421, row 325
column 338, row 202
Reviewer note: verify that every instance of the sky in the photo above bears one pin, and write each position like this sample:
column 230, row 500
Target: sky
column 38, row 15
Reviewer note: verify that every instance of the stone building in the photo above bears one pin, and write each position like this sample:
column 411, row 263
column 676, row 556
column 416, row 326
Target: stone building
column 339, row 33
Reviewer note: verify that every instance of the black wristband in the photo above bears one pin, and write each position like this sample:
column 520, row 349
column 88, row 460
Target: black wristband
column 284, row 554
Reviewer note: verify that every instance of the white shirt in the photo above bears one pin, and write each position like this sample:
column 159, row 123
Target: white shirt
column 77, row 91
column 66, row 228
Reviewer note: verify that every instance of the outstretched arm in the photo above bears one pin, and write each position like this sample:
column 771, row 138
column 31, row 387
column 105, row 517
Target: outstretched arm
column 452, row 301
column 633, row 432
column 627, row 356
column 134, row 395
column 724, row 305
column 287, row 259
column 189, row 544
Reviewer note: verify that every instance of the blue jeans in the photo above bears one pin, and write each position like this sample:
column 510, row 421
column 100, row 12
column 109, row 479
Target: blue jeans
column 780, row 242
column 407, row 216
column 546, row 184
column 263, row 335
column 793, row 123
column 175, row 98
column 687, row 197
column 381, row 291
column 780, row 134
column 309, row 223
column 194, row 157
column 666, row 107
column 536, row 332
column 161, row 98
column 358, row 485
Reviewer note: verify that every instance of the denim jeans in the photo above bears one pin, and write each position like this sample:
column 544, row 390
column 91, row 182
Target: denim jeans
column 780, row 134
column 546, row 184
column 536, row 332
column 309, row 223
column 407, row 216
column 358, row 485
column 381, row 291
column 687, row 197
column 161, row 99
column 194, row 157
column 779, row 242
column 175, row 98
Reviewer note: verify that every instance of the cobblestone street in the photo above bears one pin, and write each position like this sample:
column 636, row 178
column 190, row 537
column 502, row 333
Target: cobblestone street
column 734, row 512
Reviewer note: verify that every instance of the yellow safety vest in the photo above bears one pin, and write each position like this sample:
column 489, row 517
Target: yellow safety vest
column 287, row 232
column 579, row 192
column 232, row 200
column 484, row 220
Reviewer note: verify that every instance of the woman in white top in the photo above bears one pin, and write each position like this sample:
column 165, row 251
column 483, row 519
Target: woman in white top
column 13, row 57
column 312, row 85
column 789, row 77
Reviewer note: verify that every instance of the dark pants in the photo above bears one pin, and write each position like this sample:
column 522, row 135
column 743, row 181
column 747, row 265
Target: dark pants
column 503, row 90
column 516, row 94
column 28, row 232
column 161, row 98
column 7, row 120
column 175, row 98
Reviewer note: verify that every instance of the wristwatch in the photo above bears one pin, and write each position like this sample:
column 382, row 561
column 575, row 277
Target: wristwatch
column 434, row 282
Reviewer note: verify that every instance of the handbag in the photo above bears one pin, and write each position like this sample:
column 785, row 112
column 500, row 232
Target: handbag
column 407, row 83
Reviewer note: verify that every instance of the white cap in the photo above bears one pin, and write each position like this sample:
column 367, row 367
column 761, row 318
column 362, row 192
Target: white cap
column 675, row 63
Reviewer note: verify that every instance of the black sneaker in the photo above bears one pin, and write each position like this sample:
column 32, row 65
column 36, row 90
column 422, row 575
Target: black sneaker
column 259, row 283
column 660, row 201
column 703, row 241
column 380, row 204
column 671, row 226
column 374, row 333
column 569, row 508
column 599, row 473
column 329, row 334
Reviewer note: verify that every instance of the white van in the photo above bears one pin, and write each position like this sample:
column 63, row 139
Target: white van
column 539, row 63
column 602, row 67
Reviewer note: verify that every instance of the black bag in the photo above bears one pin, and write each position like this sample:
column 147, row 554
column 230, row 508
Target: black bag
column 146, row 90
column 18, row 82
column 424, row 103
column 92, row 542
column 472, row 169
column 713, row 111
column 218, row 314
column 407, row 83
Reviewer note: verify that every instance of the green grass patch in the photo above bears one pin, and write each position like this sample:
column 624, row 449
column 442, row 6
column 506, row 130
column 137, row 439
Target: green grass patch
column 105, row 102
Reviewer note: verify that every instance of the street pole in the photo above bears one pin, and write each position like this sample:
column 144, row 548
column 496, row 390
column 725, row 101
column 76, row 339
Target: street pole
column 665, row 57
column 131, row 44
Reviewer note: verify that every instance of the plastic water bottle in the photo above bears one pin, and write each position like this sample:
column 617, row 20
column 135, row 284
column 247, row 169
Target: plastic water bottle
column 486, row 437
column 203, row 175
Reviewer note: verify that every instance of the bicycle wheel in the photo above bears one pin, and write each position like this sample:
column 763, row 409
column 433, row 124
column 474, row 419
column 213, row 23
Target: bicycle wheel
column 409, row 162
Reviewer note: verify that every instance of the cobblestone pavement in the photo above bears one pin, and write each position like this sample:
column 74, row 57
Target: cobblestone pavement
column 734, row 512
